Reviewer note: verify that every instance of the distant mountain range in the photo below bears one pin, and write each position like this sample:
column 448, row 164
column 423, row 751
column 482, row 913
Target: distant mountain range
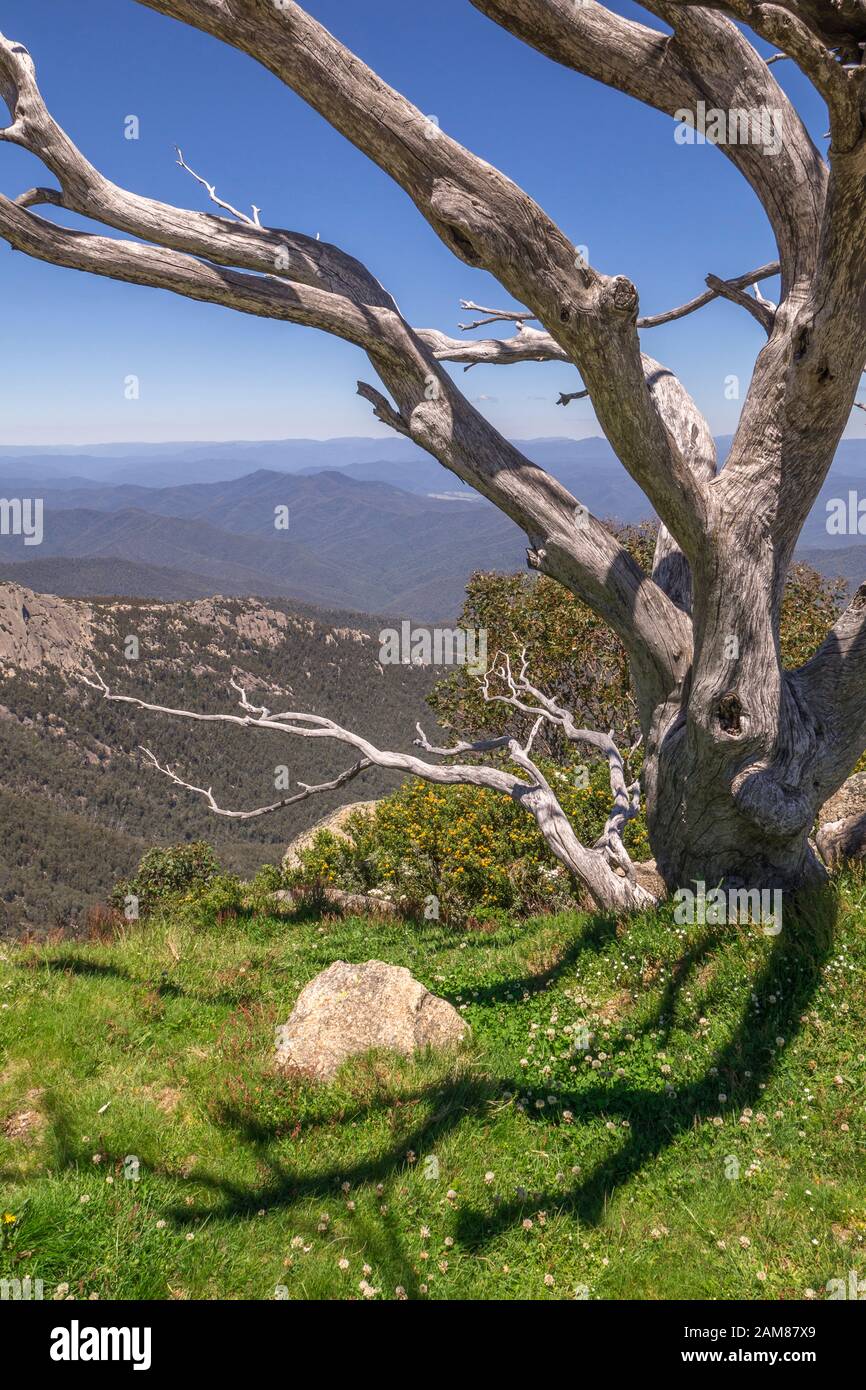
column 375, row 525
column 366, row 546
column 161, row 465
column 847, row 563
column 212, row 462
column 121, row 578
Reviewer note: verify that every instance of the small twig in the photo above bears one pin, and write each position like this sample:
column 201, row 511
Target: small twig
column 305, row 792
column 487, row 745
column 253, row 221
column 493, row 315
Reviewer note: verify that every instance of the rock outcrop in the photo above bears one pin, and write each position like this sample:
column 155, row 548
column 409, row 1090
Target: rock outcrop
column 842, row 823
column 375, row 903
column 335, row 823
column 40, row 629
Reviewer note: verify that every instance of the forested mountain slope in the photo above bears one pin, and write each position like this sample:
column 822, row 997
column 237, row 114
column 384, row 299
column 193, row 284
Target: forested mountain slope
column 78, row 802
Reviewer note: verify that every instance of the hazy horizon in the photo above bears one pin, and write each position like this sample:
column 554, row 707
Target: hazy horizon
column 168, row 443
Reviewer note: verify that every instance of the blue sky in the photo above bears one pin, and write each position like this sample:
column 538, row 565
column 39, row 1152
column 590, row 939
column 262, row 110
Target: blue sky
column 608, row 170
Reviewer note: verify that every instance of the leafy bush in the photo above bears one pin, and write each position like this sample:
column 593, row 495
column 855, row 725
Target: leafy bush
column 471, row 849
column 269, row 878
column 227, row 896
column 164, row 873
column 219, row 900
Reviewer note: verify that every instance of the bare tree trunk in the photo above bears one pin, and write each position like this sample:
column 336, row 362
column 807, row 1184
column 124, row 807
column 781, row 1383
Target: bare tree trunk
column 699, row 828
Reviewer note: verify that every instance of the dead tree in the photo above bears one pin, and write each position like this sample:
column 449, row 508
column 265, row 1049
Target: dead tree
column 740, row 753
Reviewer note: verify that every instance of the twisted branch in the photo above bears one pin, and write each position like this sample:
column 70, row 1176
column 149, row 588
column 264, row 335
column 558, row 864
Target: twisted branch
column 592, row 867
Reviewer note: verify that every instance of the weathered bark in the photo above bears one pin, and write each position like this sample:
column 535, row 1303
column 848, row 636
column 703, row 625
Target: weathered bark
column 740, row 754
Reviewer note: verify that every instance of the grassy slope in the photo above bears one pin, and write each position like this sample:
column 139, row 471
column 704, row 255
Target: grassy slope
column 623, row 1182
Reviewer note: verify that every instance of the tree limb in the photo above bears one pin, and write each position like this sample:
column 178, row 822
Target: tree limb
column 530, row 345
column 610, row 890
column 303, row 795
column 709, row 61
column 526, row 697
column 784, row 24
column 566, row 397
column 718, row 288
column 84, row 190
column 758, row 308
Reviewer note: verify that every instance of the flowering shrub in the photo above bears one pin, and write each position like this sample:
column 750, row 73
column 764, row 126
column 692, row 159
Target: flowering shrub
column 473, row 850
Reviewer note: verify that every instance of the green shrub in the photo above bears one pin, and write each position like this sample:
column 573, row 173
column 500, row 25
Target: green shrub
column 269, row 879
column 469, row 848
column 223, row 897
column 164, row 873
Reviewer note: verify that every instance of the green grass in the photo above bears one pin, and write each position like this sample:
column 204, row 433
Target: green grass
column 611, row 1178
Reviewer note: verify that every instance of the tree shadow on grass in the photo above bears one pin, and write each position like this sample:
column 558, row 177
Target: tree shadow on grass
column 598, row 933
column 285, row 1185
column 656, row 1119
column 69, row 963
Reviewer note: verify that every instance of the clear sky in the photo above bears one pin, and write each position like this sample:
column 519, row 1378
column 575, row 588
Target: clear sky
column 607, row 169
